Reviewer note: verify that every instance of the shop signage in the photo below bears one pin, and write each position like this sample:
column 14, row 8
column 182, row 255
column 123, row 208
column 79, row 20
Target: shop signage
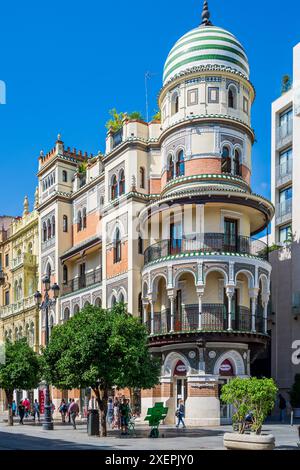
column 180, row 368
column 226, row 368
column 42, row 401
column 203, row 386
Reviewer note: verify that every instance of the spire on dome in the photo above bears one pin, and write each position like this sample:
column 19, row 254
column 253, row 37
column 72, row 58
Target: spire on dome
column 205, row 15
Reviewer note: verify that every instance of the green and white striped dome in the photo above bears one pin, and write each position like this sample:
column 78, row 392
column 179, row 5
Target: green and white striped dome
column 206, row 46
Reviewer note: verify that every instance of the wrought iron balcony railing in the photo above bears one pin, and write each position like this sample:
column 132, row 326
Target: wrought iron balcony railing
column 81, row 282
column 214, row 317
column 206, row 242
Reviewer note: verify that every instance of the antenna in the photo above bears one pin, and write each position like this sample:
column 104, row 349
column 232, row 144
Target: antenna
column 148, row 75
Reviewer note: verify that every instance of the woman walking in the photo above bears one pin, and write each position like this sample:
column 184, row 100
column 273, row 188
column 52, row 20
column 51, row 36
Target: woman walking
column 180, row 414
column 63, row 408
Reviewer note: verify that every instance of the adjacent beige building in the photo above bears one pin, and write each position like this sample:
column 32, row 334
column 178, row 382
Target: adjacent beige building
column 285, row 233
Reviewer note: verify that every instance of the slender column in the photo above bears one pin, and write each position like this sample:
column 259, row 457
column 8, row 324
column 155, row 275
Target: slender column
column 230, row 293
column 266, row 315
column 152, row 317
column 200, row 293
column 171, row 295
column 145, row 311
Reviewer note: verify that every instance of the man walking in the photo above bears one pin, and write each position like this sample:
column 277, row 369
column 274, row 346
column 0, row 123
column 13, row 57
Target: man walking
column 73, row 412
column 124, row 415
column 36, row 410
column 68, row 405
column 21, row 409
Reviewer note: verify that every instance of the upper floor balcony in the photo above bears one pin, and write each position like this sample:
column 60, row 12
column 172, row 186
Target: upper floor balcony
column 284, row 172
column 284, row 211
column 284, row 135
column 206, row 243
column 83, row 281
column 25, row 259
column 17, row 307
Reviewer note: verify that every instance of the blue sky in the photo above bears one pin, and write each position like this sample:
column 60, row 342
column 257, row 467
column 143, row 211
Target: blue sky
column 66, row 63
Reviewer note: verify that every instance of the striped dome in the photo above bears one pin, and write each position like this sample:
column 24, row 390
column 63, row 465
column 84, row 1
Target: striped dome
column 206, row 45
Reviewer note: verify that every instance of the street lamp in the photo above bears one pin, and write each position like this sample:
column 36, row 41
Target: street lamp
column 44, row 306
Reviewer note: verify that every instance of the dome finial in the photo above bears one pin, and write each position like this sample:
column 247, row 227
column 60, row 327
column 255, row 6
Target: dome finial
column 205, row 15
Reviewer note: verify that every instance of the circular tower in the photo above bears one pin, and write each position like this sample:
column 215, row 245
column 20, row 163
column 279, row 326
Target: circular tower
column 206, row 279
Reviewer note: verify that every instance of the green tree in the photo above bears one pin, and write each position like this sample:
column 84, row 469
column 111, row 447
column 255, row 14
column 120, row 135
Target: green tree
column 21, row 370
column 136, row 115
column 250, row 395
column 116, row 121
column 100, row 349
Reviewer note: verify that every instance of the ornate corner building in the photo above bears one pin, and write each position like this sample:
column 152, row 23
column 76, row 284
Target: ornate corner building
column 164, row 221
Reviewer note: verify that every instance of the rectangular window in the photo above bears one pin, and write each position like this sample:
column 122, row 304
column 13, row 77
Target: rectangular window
column 246, row 105
column 285, row 162
column 285, row 201
column 285, row 233
column 230, row 234
column 213, row 94
column 286, row 123
column 192, row 97
column 6, row 295
column 7, row 260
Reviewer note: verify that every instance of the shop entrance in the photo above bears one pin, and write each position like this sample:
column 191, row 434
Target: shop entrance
column 180, row 383
column 226, row 373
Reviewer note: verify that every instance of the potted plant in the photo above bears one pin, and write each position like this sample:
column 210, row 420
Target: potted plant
column 295, row 396
column 255, row 396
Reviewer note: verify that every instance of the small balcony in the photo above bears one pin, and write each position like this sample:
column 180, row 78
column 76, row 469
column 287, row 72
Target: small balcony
column 284, row 211
column 82, row 282
column 284, row 135
column 214, row 318
column 206, row 243
column 26, row 260
column 284, row 173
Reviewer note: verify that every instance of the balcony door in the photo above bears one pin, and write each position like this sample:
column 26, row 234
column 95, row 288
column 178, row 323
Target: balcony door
column 230, row 235
column 81, row 275
column 178, row 311
column 175, row 238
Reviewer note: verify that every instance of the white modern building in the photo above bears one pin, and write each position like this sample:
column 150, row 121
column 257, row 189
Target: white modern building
column 285, row 281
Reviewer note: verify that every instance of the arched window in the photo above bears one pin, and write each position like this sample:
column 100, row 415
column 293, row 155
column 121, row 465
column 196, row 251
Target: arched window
column 180, row 164
column 98, row 302
column 121, row 298
column 20, row 289
column 117, row 247
column 114, row 187
column 66, row 314
column 64, row 176
column 236, row 162
column 121, row 183
column 113, row 301
column 48, row 271
column 53, row 226
column 48, row 229
column 16, row 334
column 170, row 171
column 65, row 223
column 76, row 309
column 79, row 221
column 174, row 103
column 232, row 97
column 16, row 291
column 44, row 232
column 226, row 160
column 65, row 274
column 140, row 306
column 84, row 218
column 142, row 178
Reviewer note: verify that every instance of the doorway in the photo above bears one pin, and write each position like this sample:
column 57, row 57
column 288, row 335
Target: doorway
column 230, row 235
column 181, row 391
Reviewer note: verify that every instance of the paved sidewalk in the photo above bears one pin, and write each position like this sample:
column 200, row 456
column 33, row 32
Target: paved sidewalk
column 33, row 437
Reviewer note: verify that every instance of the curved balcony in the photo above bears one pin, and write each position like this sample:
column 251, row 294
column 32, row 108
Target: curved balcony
column 206, row 243
column 214, row 318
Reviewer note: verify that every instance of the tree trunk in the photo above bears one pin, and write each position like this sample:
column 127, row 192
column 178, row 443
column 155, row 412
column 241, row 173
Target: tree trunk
column 9, row 396
column 102, row 399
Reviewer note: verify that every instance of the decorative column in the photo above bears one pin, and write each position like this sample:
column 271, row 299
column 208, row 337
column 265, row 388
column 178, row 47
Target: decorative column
column 145, row 310
column 253, row 296
column 266, row 302
column 171, row 295
column 230, row 293
column 200, row 293
column 151, row 301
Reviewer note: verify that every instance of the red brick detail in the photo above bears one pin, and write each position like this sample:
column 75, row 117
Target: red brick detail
column 114, row 269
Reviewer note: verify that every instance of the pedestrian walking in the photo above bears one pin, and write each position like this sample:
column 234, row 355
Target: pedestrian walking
column 36, row 410
column 110, row 412
column 68, row 407
column 14, row 408
column 26, row 403
column 116, row 417
column 180, row 413
column 52, row 408
column 124, row 415
column 74, row 412
column 21, row 409
column 63, row 408
column 282, row 407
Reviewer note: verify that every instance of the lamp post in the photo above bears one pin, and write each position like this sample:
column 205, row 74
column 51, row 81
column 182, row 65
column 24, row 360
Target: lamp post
column 44, row 306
